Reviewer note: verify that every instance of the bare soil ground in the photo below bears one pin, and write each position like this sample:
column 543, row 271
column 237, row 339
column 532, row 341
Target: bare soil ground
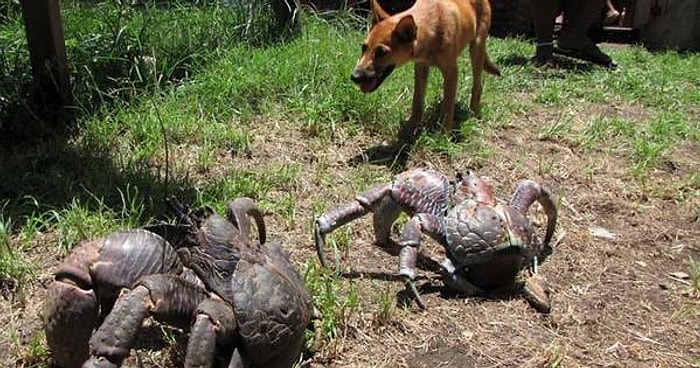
column 615, row 302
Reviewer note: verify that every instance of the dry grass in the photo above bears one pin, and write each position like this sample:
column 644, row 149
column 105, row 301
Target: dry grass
column 615, row 304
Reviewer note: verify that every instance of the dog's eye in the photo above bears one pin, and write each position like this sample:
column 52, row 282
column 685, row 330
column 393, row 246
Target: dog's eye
column 379, row 52
column 364, row 48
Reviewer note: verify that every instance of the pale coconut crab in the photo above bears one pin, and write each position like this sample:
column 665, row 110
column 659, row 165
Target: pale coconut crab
column 240, row 299
column 487, row 241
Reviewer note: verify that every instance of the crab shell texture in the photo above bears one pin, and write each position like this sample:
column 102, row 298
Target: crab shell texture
column 270, row 302
column 490, row 242
column 88, row 282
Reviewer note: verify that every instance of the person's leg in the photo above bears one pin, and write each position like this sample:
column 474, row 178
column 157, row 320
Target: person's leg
column 579, row 15
column 573, row 39
column 543, row 14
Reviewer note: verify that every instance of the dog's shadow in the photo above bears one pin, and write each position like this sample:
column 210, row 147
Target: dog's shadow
column 395, row 154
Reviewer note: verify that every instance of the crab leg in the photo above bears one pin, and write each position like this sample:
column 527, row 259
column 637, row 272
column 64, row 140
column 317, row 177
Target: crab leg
column 343, row 214
column 525, row 195
column 214, row 324
column 456, row 281
column 166, row 297
column 535, row 289
column 237, row 212
column 72, row 309
column 409, row 242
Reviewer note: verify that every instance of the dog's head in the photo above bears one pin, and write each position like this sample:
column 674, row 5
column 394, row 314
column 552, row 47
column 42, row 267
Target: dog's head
column 389, row 44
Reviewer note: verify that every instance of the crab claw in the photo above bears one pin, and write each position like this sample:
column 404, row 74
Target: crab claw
column 536, row 292
column 321, row 228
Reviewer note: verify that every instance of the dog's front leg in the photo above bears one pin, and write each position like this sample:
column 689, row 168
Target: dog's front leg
column 420, row 72
column 449, row 75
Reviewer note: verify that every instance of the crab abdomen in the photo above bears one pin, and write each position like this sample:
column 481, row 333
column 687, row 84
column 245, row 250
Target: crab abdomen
column 272, row 307
column 125, row 256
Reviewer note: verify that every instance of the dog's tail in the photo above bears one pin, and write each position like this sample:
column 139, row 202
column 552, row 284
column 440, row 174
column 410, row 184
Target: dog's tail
column 490, row 67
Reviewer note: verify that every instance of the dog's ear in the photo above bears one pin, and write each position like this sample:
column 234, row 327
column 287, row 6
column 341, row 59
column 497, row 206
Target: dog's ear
column 378, row 14
column 406, row 30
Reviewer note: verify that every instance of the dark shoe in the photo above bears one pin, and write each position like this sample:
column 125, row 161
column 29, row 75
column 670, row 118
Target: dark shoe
column 544, row 55
column 543, row 62
column 590, row 53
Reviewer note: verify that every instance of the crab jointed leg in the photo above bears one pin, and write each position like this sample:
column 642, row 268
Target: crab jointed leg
column 413, row 191
column 455, row 280
column 168, row 298
column 342, row 215
column 238, row 210
column 410, row 247
column 215, row 323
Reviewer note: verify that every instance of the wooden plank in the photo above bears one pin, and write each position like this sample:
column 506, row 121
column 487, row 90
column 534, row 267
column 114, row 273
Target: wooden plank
column 47, row 52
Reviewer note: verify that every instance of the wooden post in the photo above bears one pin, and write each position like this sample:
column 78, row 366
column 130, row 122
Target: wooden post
column 47, row 52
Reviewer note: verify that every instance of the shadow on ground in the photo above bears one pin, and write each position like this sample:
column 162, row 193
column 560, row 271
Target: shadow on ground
column 395, row 155
column 52, row 173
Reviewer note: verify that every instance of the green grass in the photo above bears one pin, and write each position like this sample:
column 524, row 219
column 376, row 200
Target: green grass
column 335, row 299
column 14, row 269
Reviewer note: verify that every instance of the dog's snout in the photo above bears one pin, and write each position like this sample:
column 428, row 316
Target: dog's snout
column 359, row 75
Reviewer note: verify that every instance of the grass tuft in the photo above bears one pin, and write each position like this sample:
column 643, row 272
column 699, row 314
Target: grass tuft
column 336, row 300
column 14, row 270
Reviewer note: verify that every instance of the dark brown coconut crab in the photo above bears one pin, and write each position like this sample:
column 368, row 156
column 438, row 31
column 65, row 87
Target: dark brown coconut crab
column 205, row 276
column 487, row 241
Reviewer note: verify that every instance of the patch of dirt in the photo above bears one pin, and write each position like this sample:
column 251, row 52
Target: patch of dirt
column 614, row 301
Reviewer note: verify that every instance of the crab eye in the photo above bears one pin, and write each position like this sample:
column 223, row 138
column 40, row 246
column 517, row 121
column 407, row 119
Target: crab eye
column 380, row 52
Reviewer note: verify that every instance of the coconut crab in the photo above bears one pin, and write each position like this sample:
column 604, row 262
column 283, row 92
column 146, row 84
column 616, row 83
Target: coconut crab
column 236, row 297
column 487, row 241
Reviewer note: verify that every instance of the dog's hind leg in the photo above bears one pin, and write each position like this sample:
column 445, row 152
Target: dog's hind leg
column 477, row 53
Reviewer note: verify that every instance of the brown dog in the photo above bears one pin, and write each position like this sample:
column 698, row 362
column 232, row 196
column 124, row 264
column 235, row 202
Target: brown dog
column 431, row 33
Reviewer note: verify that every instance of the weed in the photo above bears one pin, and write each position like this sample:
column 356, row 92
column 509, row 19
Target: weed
column 339, row 243
column 554, row 356
column 337, row 304
column 36, row 353
column 385, row 308
column 13, row 268
column 84, row 220
column 286, row 207
column 168, row 335
column 556, row 130
column 438, row 143
column 603, row 129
